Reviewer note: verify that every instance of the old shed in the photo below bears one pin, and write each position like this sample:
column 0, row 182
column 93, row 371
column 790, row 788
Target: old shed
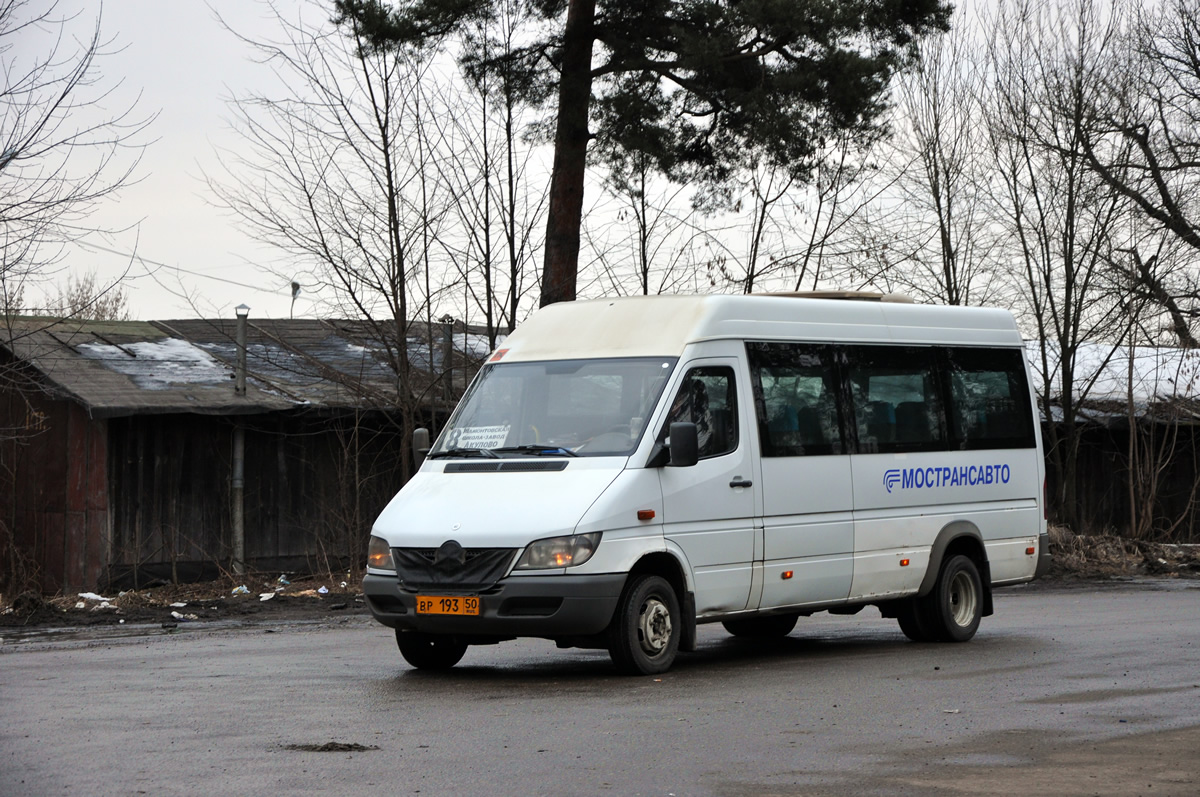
column 120, row 443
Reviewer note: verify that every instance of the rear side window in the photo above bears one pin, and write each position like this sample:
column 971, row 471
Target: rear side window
column 990, row 394
column 896, row 398
column 795, row 397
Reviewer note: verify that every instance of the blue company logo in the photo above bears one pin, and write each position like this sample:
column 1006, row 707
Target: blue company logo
column 919, row 478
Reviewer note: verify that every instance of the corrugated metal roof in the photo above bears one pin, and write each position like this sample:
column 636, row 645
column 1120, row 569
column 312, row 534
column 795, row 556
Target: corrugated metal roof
column 138, row 367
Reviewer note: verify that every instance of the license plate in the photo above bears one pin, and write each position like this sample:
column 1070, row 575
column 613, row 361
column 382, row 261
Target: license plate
column 448, row 604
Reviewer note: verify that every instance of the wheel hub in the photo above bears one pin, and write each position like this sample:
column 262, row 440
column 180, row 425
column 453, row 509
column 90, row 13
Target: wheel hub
column 654, row 626
column 963, row 599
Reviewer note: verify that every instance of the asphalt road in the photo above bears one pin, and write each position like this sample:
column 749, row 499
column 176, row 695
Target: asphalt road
column 1065, row 691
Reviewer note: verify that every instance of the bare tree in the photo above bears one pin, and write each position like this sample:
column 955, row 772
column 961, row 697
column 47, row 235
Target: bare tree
column 1048, row 64
column 339, row 171
column 85, row 298
column 641, row 235
column 944, row 245
column 62, row 150
column 491, row 168
column 1162, row 443
column 1142, row 137
column 795, row 233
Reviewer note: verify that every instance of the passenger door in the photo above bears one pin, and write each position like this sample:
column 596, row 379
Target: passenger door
column 808, row 522
column 900, row 425
column 709, row 508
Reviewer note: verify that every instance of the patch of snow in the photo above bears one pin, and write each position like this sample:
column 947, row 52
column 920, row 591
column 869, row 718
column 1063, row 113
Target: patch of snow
column 476, row 345
column 159, row 364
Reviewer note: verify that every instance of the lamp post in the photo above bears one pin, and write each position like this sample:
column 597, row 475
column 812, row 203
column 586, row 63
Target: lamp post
column 239, row 451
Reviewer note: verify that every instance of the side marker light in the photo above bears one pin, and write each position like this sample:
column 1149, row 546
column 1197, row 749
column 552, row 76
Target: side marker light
column 904, row 563
column 645, row 514
column 787, row 574
column 1030, row 551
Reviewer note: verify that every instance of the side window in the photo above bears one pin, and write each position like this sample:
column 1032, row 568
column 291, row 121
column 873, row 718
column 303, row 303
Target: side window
column 991, row 399
column 896, row 399
column 795, row 399
column 707, row 397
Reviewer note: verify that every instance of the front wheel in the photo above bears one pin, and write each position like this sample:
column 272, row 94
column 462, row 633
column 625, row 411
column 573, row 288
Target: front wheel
column 430, row 651
column 643, row 637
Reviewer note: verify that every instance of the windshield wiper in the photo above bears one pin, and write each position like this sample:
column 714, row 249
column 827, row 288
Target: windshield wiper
column 465, row 452
column 539, row 450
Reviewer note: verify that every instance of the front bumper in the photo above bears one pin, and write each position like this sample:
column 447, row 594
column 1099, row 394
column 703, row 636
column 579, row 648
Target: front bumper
column 534, row 606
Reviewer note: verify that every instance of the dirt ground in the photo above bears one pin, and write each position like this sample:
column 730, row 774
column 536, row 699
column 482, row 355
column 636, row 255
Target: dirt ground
column 267, row 597
column 280, row 598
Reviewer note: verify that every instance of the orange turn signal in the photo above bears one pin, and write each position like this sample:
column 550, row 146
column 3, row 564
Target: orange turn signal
column 787, row 574
column 904, row 563
column 645, row 514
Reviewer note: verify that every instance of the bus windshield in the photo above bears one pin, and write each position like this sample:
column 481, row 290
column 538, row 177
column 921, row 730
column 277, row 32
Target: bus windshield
column 558, row 408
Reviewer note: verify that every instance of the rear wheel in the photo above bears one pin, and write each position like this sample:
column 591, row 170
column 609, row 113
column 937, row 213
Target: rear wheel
column 430, row 651
column 956, row 603
column 643, row 637
column 951, row 612
column 772, row 625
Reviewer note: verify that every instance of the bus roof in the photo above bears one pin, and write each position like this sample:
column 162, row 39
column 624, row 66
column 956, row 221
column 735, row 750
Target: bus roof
column 659, row 326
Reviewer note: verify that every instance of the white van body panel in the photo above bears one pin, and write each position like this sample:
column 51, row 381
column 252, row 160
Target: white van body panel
column 808, row 528
column 904, row 500
column 494, row 510
column 626, row 539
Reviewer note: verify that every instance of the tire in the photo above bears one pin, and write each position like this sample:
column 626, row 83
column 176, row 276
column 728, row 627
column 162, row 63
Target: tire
column 643, row 637
column 954, row 608
column 913, row 621
column 771, row 625
column 430, row 651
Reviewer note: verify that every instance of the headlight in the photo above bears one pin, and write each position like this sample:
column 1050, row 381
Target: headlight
column 379, row 554
column 559, row 552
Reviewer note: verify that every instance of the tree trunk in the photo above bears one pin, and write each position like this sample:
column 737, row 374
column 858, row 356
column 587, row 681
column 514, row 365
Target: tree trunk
column 565, row 209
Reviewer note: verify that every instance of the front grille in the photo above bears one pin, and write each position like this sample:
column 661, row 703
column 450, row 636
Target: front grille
column 418, row 569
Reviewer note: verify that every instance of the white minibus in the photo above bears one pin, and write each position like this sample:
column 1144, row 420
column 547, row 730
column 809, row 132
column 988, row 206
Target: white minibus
column 622, row 470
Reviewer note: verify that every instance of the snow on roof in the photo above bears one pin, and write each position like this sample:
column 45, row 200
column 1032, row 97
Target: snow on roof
column 1107, row 373
column 160, row 364
column 117, row 369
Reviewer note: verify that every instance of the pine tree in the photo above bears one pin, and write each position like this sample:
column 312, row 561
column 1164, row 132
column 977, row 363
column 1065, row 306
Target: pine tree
column 698, row 86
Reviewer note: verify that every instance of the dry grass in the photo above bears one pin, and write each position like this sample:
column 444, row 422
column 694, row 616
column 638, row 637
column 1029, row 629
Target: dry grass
column 1110, row 556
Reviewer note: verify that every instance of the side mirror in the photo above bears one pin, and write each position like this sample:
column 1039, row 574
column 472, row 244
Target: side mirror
column 420, row 443
column 685, row 445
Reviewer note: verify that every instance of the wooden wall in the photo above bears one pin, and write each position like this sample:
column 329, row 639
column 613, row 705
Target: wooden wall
column 53, row 495
column 313, row 485
column 1102, row 482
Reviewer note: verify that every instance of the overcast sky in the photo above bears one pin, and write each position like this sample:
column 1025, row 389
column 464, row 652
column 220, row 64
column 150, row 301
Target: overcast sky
column 184, row 63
